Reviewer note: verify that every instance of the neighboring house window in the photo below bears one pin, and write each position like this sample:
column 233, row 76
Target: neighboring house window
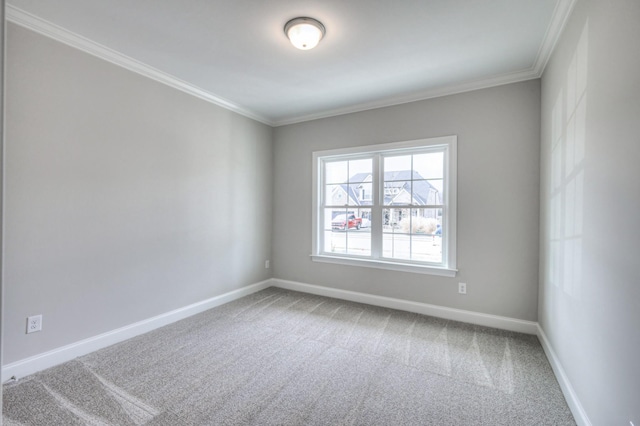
column 390, row 206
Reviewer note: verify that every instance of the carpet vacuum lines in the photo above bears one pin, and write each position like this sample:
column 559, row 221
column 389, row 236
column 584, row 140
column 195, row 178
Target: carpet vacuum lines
column 280, row 357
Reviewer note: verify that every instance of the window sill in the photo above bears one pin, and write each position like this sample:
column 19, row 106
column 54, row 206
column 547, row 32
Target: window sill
column 381, row 264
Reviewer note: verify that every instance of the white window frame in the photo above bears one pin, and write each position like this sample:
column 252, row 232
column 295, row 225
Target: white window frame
column 446, row 144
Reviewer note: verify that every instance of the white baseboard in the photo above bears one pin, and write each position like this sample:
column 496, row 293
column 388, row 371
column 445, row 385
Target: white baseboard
column 57, row 356
column 495, row 321
column 576, row 407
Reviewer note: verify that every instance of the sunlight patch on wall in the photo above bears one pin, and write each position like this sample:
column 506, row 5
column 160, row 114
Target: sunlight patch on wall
column 566, row 192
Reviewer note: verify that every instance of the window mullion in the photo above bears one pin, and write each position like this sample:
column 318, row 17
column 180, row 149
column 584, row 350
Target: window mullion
column 445, row 241
column 319, row 202
column 376, row 210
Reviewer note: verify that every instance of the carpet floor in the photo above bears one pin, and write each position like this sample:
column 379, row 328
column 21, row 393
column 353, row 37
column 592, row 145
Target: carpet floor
column 279, row 357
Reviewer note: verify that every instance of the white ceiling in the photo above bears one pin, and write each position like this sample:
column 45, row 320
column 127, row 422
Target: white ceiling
column 375, row 52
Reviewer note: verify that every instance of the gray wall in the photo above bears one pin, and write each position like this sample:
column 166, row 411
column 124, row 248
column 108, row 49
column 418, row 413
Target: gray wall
column 2, row 42
column 498, row 198
column 125, row 199
column 590, row 199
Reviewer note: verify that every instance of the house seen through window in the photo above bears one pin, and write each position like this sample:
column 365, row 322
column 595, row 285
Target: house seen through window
column 391, row 204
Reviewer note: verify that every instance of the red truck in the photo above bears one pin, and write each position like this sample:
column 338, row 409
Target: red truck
column 341, row 222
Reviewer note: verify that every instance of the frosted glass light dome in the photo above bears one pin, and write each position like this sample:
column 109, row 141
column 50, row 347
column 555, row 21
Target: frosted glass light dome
column 304, row 33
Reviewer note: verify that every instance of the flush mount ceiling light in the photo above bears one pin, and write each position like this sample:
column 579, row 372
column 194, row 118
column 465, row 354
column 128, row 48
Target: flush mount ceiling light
column 304, row 33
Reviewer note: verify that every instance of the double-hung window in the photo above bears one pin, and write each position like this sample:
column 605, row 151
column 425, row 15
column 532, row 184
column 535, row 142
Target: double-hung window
column 390, row 206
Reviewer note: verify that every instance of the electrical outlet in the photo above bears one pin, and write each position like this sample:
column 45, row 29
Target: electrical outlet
column 462, row 288
column 34, row 323
column 266, row 264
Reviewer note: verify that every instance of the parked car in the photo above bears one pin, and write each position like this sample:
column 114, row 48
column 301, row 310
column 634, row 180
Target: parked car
column 341, row 222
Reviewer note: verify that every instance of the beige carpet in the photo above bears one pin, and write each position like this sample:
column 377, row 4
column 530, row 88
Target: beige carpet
column 284, row 358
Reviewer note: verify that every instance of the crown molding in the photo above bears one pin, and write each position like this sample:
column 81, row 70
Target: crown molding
column 453, row 89
column 558, row 21
column 51, row 30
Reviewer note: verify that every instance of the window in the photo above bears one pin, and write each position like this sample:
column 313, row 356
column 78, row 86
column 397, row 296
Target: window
column 390, row 206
